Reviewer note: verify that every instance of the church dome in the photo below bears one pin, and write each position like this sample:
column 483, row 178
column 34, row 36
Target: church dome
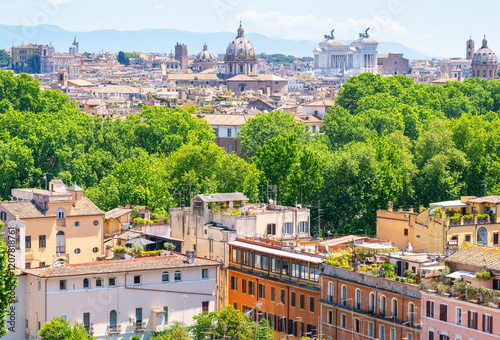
column 484, row 54
column 205, row 55
column 240, row 46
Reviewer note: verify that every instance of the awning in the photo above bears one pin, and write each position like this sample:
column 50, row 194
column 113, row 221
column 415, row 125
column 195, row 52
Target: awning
column 158, row 310
column 459, row 273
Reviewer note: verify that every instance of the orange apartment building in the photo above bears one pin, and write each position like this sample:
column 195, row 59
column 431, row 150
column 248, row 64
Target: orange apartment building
column 280, row 285
column 356, row 305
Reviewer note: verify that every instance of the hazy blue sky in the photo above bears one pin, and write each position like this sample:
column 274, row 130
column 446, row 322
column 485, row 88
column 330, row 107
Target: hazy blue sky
column 440, row 27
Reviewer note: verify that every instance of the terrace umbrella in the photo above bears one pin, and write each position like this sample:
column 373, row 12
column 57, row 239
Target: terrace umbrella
column 140, row 241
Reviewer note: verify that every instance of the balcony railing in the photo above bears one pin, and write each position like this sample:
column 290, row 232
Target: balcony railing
column 114, row 329
column 139, row 326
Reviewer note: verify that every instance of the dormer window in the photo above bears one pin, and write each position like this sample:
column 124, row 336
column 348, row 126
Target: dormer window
column 60, row 214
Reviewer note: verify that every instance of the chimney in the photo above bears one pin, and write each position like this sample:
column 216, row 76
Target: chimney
column 191, row 255
column 411, row 209
column 390, row 205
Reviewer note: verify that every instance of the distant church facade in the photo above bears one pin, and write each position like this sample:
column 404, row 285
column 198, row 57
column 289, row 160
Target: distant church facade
column 335, row 58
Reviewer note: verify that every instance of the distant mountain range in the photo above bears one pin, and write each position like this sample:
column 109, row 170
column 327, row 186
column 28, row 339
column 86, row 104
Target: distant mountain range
column 164, row 40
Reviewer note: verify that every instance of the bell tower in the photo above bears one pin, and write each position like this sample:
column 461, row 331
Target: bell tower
column 469, row 49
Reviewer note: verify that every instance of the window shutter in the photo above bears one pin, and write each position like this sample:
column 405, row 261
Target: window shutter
column 428, row 309
column 445, row 313
column 491, row 324
column 475, row 320
column 469, row 314
column 484, row 322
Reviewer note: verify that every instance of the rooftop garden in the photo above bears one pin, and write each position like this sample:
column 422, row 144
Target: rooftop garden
column 456, row 218
column 345, row 259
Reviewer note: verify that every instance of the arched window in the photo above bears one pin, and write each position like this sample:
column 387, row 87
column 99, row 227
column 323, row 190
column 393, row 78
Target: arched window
column 411, row 313
column 484, row 73
column 330, row 292
column 482, row 236
column 177, row 276
column 98, row 282
column 344, row 295
column 60, row 214
column 358, row 299
column 395, row 308
column 60, row 243
column 86, row 283
column 371, row 303
column 112, row 320
column 383, row 302
column 165, row 277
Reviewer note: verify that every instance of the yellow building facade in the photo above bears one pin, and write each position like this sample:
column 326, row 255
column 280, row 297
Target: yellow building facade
column 443, row 226
column 53, row 225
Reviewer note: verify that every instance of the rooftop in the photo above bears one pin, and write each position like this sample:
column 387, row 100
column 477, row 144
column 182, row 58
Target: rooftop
column 226, row 197
column 477, row 256
column 297, row 255
column 120, row 266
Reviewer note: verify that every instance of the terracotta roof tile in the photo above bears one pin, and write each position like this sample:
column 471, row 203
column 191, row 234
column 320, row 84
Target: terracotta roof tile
column 475, row 255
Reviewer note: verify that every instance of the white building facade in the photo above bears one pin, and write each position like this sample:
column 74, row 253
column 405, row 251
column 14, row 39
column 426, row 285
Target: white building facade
column 122, row 298
column 335, row 58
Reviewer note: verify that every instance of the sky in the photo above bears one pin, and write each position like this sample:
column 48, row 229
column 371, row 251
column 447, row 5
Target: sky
column 438, row 28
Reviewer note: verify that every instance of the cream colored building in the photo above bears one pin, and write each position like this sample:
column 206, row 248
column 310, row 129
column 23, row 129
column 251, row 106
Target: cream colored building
column 122, row 298
column 51, row 225
column 444, row 226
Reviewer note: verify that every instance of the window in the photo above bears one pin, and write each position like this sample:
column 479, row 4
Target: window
column 430, row 309
column 229, row 132
column 496, row 284
column 251, row 287
column 64, row 316
column 39, row 285
column 314, row 274
column 406, row 232
column 330, row 292
column 343, row 321
column 204, row 273
column 138, row 315
column 482, row 236
column 344, row 296
column 393, row 334
column 234, row 283
column 295, row 269
column 86, row 283
column 495, row 238
column 472, row 320
column 302, row 301
column 112, row 282
column 60, row 243
column 282, row 297
column 3, row 215
column 285, row 267
column 394, row 308
column 95, row 223
column 229, row 148
column 262, row 291
column 381, row 332
column 112, row 321
column 204, row 306
column 27, row 242
column 358, row 299
column 371, row 303
column 165, row 277
column 137, row 280
column 177, row 276
column 98, row 282
column 304, row 227
column 411, row 313
column 458, row 318
column 77, row 224
column 42, row 241
column 292, row 299
column 60, row 214
column 256, row 261
column 357, row 325
column 243, row 286
column 62, row 284
column 95, row 250
column 382, row 305
column 487, row 323
column 311, row 304
column 247, row 258
column 330, row 317
column 370, row 329
column 467, row 238
column 303, row 272
column 27, row 265
column 287, row 228
column 235, row 305
column 264, row 260
column 42, row 264
column 273, row 294
column 77, row 251
column 443, row 312
column 271, row 229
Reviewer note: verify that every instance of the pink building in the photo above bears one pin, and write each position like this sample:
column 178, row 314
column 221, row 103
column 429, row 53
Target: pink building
column 122, row 298
column 469, row 309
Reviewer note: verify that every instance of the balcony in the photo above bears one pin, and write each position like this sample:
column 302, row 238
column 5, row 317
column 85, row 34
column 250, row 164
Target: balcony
column 139, row 326
column 113, row 329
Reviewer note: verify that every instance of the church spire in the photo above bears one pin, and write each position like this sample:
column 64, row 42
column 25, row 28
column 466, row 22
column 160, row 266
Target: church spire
column 241, row 31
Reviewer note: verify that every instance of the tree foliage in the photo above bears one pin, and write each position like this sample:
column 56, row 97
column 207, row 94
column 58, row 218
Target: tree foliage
column 8, row 283
column 60, row 329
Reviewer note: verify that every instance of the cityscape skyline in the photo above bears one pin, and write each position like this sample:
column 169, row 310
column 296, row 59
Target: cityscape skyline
column 436, row 32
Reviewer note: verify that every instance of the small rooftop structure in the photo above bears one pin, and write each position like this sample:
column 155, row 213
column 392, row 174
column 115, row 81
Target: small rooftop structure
column 235, row 196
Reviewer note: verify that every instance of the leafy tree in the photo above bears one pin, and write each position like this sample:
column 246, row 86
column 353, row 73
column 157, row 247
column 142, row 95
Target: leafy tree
column 60, row 329
column 178, row 331
column 8, row 283
column 229, row 323
column 264, row 127
column 5, row 59
column 122, row 59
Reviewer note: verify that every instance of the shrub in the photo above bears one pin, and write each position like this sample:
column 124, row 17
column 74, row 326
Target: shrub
column 139, row 221
column 129, row 251
column 484, row 275
column 482, row 217
column 459, row 286
column 455, row 218
column 118, row 249
column 169, row 246
column 408, row 272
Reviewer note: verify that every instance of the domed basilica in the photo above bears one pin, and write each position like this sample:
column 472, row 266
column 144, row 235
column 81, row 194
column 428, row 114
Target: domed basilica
column 484, row 62
column 240, row 56
column 204, row 60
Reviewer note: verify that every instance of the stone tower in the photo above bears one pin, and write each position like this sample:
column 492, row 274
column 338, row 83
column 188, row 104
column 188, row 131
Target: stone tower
column 469, row 49
column 181, row 55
